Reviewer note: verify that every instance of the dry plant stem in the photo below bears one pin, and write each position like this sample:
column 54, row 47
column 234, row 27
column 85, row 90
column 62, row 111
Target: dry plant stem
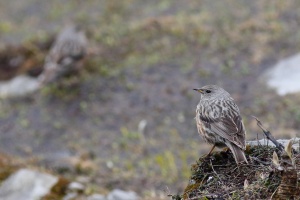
column 168, row 192
column 260, row 161
column 269, row 135
column 215, row 172
column 211, row 150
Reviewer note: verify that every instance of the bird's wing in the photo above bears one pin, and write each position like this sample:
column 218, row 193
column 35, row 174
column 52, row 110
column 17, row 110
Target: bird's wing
column 230, row 128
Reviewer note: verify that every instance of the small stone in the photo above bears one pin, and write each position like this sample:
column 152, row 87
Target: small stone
column 96, row 197
column 75, row 186
column 83, row 179
column 27, row 184
column 118, row 194
column 18, row 86
column 109, row 164
column 70, row 196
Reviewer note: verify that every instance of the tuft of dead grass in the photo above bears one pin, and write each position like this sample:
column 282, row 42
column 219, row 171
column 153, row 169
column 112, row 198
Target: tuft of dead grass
column 219, row 177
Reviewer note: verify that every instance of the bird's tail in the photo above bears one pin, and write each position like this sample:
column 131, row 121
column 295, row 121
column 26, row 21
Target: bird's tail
column 237, row 152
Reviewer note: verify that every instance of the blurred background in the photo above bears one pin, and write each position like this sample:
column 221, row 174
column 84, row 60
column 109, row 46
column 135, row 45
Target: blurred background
column 126, row 120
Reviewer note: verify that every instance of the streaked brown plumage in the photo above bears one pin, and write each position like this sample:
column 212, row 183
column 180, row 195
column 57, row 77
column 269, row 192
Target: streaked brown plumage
column 219, row 121
column 68, row 49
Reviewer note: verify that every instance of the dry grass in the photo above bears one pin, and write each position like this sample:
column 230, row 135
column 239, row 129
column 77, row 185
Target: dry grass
column 218, row 176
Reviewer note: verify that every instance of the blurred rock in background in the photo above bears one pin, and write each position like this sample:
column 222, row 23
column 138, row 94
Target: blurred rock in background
column 284, row 76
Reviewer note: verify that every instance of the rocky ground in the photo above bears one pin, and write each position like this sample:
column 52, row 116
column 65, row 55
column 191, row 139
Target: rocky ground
column 127, row 120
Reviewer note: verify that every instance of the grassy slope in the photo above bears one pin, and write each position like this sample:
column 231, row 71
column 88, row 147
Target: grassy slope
column 151, row 53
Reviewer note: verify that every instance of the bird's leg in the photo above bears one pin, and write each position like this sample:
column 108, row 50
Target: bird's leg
column 205, row 156
column 211, row 150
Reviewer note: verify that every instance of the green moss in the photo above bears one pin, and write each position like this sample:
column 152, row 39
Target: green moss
column 5, row 27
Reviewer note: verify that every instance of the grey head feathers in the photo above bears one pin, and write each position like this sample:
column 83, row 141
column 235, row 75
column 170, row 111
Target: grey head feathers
column 210, row 92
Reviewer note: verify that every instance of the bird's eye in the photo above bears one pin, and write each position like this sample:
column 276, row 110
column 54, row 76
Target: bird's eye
column 208, row 91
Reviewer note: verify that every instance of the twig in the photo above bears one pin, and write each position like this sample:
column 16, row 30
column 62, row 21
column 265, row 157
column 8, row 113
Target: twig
column 168, row 192
column 260, row 161
column 216, row 172
column 233, row 169
column 269, row 135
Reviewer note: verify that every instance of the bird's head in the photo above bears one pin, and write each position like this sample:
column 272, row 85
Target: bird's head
column 210, row 92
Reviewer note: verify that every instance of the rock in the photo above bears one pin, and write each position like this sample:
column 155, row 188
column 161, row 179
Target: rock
column 284, row 76
column 96, row 197
column 269, row 143
column 18, row 86
column 117, row 194
column 75, row 186
column 83, row 179
column 27, row 184
column 70, row 196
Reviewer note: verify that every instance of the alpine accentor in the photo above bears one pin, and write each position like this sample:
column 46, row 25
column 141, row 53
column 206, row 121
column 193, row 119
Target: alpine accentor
column 219, row 121
column 69, row 47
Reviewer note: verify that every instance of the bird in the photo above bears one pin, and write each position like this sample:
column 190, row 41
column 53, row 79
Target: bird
column 219, row 121
column 68, row 49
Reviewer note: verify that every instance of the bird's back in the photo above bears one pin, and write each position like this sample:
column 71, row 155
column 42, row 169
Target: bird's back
column 219, row 120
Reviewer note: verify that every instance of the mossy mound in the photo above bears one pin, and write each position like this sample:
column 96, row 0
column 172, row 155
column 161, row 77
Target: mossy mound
column 26, row 58
column 219, row 177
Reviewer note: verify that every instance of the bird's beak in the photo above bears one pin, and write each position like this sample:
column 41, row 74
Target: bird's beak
column 199, row 90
